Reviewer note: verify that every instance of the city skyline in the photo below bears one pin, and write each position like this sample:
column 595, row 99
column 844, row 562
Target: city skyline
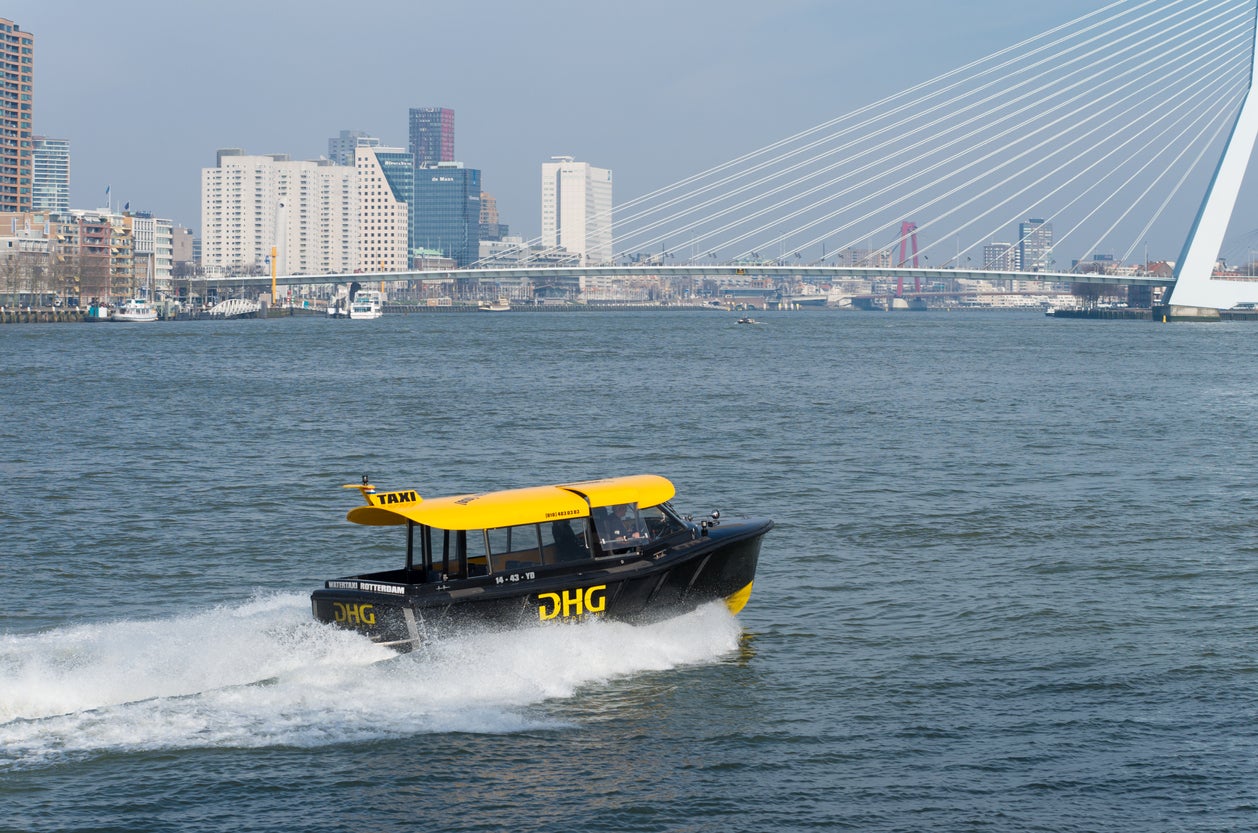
column 669, row 101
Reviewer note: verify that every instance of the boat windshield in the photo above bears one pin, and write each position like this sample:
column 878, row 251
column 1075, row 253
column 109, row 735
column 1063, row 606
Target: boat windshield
column 619, row 527
column 663, row 521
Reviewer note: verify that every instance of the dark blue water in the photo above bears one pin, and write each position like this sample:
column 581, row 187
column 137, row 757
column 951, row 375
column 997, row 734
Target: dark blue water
column 1012, row 585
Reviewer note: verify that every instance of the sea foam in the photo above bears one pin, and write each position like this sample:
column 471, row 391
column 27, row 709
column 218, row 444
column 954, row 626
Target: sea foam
column 263, row 673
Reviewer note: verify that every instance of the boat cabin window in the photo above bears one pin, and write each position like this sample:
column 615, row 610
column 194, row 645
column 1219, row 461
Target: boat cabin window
column 453, row 554
column 436, row 556
column 472, row 548
column 619, row 527
column 513, row 547
column 505, row 549
column 565, row 540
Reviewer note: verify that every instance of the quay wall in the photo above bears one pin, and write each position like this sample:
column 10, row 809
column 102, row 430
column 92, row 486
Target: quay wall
column 47, row 315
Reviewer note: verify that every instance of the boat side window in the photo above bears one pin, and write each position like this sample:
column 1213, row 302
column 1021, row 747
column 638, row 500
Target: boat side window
column 564, row 540
column 474, row 552
column 437, row 556
column 449, row 559
column 619, row 527
column 513, row 548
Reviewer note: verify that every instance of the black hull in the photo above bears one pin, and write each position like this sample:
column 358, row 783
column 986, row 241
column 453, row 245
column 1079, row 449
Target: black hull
column 638, row 588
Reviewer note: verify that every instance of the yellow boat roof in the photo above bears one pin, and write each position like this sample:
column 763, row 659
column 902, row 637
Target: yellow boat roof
column 535, row 504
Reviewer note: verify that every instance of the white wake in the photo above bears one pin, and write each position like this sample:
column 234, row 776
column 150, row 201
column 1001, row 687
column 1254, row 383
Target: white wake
column 264, row 673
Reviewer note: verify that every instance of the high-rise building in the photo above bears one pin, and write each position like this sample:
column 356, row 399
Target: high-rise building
column 577, row 209
column 1000, row 257
column 445, row 213
column 17, row 57
column 341, row 148
column 1035, row 246
column 490, row 226
column 306, row 211
column 432, row 135
column 385, row 186
column 50, row 179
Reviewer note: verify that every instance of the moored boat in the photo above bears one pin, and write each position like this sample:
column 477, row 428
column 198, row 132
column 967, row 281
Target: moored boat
column 368, row 303
column 501, row 305
column 613, row 548
column 134, row 310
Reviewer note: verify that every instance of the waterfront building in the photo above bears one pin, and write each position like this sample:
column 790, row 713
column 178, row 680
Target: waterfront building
column 509, row 251
column 182, row 246
column 385, row 187
column 154, row 247
column 1035, row 246
column 445, row 212
column 490, row 226
column 50, row 175
column 76, row 256
column 431, row 135
column 577, row 209
column 1000, row 257
column 305, row 211
column 98, row 248
column 621, row 289
column 513, row 250
column 17, row 57
column 26, row 259
column 341, row 149
column 872, row 258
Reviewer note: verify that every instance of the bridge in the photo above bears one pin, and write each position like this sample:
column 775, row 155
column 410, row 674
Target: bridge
column 810, row 272
column 1126, row 129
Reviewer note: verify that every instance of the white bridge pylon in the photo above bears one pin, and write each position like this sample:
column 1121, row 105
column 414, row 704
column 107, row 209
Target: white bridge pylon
column 1195, row 282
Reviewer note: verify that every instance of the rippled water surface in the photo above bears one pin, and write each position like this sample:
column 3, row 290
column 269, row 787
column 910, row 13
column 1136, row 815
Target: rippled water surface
column 1012, row 584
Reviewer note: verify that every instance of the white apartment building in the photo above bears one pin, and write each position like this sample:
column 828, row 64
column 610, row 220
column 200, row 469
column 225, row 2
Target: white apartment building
column 154, row 252
column 577, row 209
column 50, row 184
column 383, row 226
column 304, row 210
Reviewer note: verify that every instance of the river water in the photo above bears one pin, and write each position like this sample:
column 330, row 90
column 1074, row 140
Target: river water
column 1013, row 583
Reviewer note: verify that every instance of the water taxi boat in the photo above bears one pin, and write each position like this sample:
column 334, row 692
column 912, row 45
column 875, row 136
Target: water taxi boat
column 613, row 548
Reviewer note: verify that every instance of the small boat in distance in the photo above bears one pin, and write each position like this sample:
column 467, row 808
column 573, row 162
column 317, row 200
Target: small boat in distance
column 748, row 321
column 136, row 309
column 599, row 548
column 501, row 305
column 368, row 303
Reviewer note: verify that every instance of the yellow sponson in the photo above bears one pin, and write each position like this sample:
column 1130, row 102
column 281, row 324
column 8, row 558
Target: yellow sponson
column 737, row 601
column 536, row 504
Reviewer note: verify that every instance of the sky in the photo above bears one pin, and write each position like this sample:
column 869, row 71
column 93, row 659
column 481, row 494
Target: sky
column 656, row 90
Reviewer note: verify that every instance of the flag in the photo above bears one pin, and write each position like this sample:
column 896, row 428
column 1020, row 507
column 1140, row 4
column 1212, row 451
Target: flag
column 126, row 206
column 107, row 187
